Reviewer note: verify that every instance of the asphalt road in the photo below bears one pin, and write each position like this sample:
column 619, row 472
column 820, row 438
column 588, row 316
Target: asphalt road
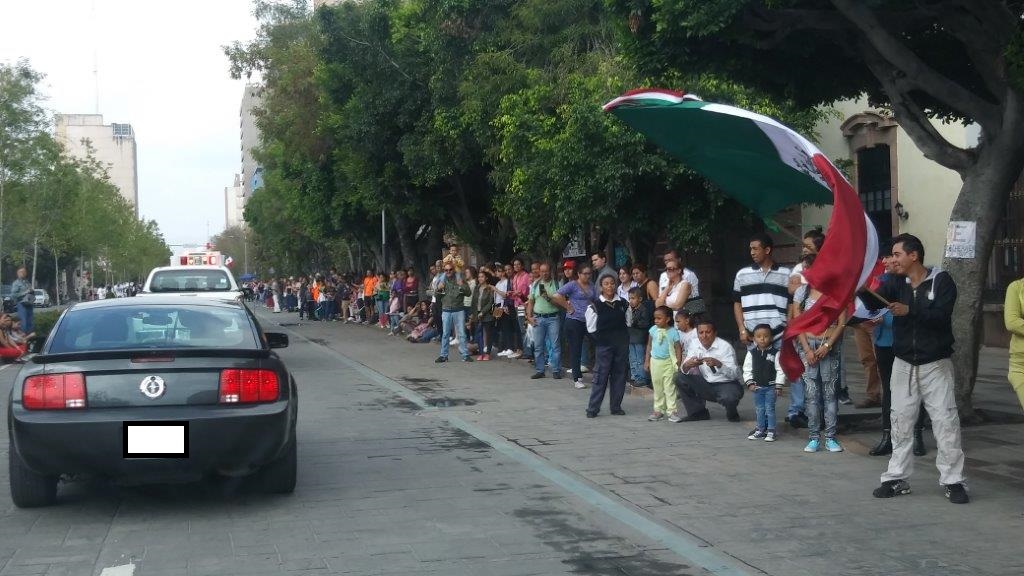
column 387, row 485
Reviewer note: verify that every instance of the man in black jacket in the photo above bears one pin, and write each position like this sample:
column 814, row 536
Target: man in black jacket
column 921, row 302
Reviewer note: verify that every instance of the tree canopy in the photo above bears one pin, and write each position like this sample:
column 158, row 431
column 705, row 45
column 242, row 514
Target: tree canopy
column 57, row 208
column 480, row 119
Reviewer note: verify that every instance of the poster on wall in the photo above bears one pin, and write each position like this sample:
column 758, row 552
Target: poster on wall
column 960, row 239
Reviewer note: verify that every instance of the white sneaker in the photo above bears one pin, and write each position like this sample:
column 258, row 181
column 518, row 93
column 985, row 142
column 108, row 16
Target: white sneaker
column 453, row 341
column 579, row 385
column 584, row 369
column 505, row 353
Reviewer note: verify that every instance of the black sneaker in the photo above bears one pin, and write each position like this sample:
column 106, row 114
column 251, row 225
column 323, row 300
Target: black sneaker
column 843, row 396
column 891, row 488
column 556, row 375
column 619, row 412
column 797, row 421
column 957, row 494
column 467, row 358
column 591, row 414
column 537, row 376
column 440, row 359
column 697, row 416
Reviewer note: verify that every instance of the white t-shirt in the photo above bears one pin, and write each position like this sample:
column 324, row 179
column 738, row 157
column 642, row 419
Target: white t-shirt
column 798, row 270
column 686, row 340
column 689, row 277
column 502, row 285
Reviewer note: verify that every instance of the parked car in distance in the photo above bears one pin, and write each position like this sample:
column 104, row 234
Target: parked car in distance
column 42, row 298
column 152, row 390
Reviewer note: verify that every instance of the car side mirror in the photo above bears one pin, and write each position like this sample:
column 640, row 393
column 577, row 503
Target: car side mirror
column 277, row 339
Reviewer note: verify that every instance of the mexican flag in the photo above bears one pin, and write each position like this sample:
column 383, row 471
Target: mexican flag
column 767, row 167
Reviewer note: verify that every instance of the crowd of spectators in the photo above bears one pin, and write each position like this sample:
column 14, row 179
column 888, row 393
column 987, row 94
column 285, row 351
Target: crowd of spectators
column 629, row 327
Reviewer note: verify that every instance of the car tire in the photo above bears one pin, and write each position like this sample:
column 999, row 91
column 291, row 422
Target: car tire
column 28, row 489
column 279, row 476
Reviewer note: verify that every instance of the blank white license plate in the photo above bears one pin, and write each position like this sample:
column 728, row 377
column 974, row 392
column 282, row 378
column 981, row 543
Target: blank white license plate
column 156, row 440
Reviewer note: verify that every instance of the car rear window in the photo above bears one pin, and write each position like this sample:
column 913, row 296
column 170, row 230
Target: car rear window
column 149, row 327
column 190, row 281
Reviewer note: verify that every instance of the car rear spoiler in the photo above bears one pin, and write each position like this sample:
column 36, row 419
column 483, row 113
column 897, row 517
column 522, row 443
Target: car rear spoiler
column 152, row 355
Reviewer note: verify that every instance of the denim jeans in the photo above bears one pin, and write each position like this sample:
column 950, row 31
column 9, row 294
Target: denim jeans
column 821, row 383
column 764, row 407
column 797, row 400
column 545, row 338
column 25, row 314
column 453, row 321
column 636, row 364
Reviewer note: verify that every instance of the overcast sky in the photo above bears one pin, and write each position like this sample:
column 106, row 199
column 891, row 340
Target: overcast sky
column 162, row 70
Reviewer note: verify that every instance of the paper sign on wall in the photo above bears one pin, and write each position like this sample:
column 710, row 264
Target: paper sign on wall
column 960, row 239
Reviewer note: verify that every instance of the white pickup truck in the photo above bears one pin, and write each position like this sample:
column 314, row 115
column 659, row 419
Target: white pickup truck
column 203, row 281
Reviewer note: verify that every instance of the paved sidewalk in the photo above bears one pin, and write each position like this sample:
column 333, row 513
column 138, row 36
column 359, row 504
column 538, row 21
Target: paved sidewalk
column 771, row 506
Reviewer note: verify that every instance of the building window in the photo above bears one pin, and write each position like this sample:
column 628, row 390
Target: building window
column 122, row 130
column 874, row 184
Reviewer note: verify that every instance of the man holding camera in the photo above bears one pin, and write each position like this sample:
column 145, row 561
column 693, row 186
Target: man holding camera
column 451, row 292
column 710, row 373
column 542, row 314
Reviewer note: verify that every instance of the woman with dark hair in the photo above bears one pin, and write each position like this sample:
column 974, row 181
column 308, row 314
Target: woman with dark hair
column 649, row 286
column 574, row 297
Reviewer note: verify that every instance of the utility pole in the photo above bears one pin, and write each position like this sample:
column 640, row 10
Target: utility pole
column 383, row 241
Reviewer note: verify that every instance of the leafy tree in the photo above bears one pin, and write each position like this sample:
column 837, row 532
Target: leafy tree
column 937, row 59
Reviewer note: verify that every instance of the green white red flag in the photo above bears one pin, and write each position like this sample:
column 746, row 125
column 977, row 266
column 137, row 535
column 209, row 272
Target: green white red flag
column 767, row 167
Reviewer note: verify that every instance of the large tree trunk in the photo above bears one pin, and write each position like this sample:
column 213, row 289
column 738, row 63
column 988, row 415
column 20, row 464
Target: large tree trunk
column 405, row 241
column 982, row 199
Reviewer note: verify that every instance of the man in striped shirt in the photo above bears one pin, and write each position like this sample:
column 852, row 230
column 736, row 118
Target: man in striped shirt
column 762, row 297
column 761, row 292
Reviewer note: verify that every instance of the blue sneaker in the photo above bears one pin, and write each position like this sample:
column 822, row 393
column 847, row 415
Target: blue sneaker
column 813, row 445
column 832, row 446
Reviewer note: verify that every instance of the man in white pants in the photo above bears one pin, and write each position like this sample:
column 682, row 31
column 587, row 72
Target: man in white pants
column 921, row 302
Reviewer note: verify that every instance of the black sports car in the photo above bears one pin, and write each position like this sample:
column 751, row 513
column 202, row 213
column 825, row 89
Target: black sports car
column 162, row 389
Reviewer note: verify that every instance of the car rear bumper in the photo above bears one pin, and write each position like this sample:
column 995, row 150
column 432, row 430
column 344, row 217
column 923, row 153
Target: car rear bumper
column 231, row 440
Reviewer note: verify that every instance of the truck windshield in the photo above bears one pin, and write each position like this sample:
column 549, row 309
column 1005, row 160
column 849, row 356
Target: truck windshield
column 190, row 281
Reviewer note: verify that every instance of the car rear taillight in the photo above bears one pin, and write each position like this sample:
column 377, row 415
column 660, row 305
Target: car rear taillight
column 54, row 391
column 248, row 386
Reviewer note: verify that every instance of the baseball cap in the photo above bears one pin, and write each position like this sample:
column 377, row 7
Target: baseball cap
column 569, row 264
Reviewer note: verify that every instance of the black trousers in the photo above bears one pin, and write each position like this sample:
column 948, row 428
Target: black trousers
column 884, row 356
column 695, row 391
column 610, row 364
column 575, row 333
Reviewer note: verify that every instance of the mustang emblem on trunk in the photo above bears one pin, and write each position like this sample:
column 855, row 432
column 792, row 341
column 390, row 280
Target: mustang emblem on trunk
column 152, row 386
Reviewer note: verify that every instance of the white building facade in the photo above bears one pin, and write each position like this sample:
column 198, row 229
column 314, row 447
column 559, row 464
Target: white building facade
column 113, row 146
column 234, row 204
column 249, row 136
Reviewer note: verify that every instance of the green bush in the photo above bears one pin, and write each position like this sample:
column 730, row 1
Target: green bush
column 44, row 321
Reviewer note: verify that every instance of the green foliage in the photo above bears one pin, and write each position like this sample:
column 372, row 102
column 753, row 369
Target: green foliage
column 55, row 205
column 43, row 321
column 481, row 118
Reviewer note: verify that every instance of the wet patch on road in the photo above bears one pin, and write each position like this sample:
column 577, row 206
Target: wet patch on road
column 445, row 402
column 391, row 402
column 453, row 439
column 594, row 552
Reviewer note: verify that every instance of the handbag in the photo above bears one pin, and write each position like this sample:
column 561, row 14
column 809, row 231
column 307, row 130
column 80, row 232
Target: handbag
column 499, row 311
